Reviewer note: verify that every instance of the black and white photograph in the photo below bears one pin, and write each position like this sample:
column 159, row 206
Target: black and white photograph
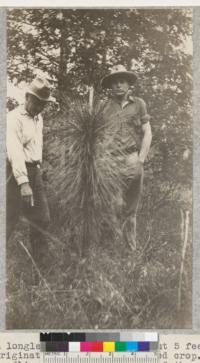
column 99, row 168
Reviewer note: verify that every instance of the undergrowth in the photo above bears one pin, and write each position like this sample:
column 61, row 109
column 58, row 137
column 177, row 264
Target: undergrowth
column 114, row 287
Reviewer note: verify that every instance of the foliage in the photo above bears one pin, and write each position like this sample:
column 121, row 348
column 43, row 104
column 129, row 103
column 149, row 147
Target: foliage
column 115, row 289
column 75, row 47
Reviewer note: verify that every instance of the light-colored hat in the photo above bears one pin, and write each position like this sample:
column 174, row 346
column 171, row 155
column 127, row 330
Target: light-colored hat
column 118, row 70
column 40, row 88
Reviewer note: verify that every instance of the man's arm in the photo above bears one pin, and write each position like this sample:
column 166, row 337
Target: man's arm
column 15, row 152
column 146, row 141
column 16, row 157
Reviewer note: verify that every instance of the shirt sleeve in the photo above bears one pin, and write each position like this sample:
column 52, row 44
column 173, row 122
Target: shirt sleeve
column 144, row 116
column 15, row 150
column 41, row 136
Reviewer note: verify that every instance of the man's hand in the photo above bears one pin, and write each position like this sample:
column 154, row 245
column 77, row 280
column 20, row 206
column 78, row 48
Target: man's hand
column 146, row 141
column 27, row 194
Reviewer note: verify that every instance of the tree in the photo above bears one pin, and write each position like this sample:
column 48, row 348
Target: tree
column 75, row 47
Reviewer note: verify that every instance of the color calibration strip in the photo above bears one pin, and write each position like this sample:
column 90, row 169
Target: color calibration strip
column 101, row 347
column 99, row 342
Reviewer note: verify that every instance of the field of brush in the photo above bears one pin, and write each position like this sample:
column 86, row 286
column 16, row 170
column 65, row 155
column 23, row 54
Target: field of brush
column 115, row 287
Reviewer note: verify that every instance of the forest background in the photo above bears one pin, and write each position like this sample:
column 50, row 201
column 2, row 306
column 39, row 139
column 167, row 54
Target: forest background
column 152, row 286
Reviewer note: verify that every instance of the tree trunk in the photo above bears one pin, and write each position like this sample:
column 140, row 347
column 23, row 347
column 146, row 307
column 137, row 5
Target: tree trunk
column 184, row 236
column 62, row 71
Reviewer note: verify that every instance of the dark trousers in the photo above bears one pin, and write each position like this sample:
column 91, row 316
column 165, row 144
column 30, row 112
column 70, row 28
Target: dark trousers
column 132, row 195
column 38, row 215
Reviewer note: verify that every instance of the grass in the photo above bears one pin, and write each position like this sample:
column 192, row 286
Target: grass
column 114, row 288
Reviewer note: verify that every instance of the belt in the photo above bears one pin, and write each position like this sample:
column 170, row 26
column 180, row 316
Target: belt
column 131, row 149
column 127, row 150
column 33, row 164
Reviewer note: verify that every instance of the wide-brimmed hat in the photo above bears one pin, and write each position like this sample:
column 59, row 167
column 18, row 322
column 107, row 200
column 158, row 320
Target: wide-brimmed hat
column 40, row 88
column 118, row 70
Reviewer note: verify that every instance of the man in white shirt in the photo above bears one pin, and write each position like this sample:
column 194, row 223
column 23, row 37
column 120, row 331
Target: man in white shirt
column 25, row 190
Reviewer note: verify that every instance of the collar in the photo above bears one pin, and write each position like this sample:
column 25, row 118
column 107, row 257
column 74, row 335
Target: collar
column 130, row 98
column 23, row 110
column 25, row 113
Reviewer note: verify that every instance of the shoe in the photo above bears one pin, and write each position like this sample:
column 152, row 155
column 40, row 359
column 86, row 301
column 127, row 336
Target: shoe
column 35, row 279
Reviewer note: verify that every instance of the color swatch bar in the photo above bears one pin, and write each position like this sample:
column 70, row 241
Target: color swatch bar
column 125, row 341
column 102, row 347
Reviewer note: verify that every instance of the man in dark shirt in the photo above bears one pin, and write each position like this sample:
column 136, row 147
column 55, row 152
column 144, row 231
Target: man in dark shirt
column 130, row 114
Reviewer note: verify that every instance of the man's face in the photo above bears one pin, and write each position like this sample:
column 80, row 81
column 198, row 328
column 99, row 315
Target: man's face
column 120, row 86
column 34, row 105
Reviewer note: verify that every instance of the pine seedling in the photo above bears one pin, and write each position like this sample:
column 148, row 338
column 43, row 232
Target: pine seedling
column 91, row 181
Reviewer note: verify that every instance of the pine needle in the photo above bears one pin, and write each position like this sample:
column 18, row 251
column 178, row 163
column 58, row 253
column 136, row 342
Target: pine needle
column 40, row 275
column 91, row 182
